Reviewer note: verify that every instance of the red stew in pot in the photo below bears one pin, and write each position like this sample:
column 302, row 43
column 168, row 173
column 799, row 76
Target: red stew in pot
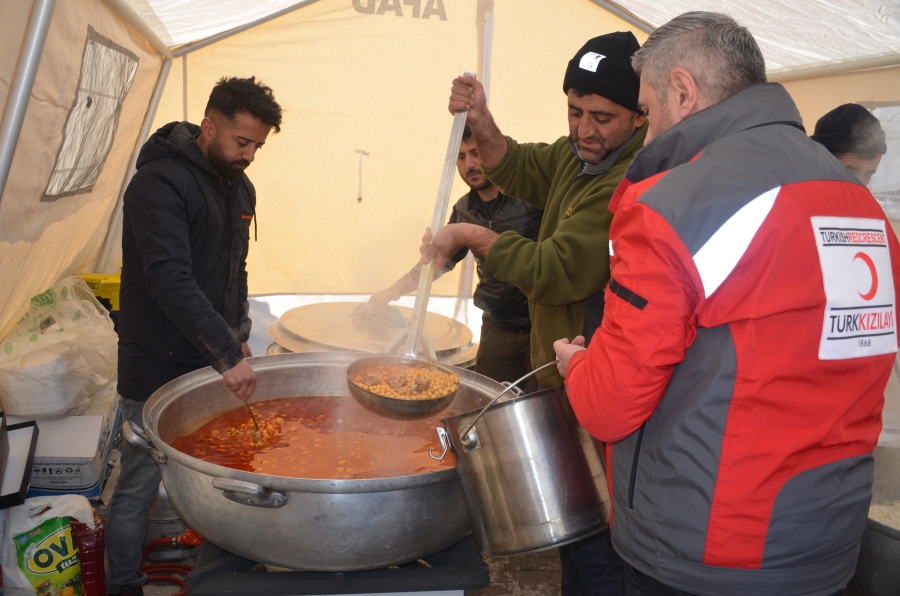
column 317, row 437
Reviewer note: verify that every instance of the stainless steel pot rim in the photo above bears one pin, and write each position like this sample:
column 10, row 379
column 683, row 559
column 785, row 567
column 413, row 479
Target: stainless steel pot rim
column 173, row 390
column 506, row 403
column 581, row 536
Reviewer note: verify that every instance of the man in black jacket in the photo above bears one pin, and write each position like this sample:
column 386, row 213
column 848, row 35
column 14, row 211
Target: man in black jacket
column 187, row 216
column 504, row 352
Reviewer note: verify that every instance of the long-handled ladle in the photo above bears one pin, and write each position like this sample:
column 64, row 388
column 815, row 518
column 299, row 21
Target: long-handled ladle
column 414, row 333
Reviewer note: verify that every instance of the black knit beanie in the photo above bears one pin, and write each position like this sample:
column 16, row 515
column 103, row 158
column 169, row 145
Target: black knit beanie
column 603, row 66
column 851, row 128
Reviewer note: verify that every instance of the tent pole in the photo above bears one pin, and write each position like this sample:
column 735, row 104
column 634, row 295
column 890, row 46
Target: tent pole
column 886, row 60
column 132, row 18
column 23, row 83
column 626, row 15
column 116, row 221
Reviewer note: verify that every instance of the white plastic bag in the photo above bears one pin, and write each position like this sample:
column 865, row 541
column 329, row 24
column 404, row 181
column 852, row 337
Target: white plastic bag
column 28, row 516
column 61, row 352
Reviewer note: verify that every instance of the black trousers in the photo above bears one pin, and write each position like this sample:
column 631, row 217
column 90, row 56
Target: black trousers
column 591, row 567
column 504, row 355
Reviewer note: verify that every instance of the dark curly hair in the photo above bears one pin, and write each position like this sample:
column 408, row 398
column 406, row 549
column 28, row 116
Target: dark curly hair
column 232, row 95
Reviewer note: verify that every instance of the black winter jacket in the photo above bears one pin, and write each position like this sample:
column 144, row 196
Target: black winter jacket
column 184, row 277
column 503, row 304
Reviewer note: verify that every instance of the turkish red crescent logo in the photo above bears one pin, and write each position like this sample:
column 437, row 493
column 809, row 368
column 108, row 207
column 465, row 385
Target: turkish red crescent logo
column 868, row 261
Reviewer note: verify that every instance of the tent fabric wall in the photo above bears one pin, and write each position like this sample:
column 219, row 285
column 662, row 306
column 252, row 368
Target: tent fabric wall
column 353, row 80
column 347, row 80
column 527, row 97
column 41, row 242
column 352, row 74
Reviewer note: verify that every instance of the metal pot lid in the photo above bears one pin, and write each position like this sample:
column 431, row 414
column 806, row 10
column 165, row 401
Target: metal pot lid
column 284, row 343
column 333, row 324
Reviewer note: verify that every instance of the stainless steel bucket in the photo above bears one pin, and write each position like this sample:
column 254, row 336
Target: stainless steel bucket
column 532, row 478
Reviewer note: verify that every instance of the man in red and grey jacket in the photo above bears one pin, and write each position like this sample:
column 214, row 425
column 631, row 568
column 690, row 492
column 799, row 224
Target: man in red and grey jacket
column 749, row 332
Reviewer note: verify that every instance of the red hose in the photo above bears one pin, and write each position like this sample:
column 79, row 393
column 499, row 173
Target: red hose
column 154, row 570
column 158, row 542
column 166, row 567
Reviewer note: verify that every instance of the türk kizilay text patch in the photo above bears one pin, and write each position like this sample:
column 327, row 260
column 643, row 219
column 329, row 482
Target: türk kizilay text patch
column 860, row 310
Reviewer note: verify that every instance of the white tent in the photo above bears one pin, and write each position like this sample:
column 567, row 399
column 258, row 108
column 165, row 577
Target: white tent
column 368, row 75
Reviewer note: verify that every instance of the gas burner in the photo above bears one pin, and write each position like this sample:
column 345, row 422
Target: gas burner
column 448, row 573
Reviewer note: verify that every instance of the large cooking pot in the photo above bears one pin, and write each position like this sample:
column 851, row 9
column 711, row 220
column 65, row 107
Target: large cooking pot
column 532, row 477
column 316, row 525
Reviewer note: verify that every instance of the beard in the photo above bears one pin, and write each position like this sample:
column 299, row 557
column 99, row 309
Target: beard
column 483, row 185
column 663, row 122
column 228, row 168
column 607, row 144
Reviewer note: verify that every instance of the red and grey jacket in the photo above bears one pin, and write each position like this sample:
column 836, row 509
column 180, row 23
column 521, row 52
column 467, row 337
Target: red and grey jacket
column 739, row 373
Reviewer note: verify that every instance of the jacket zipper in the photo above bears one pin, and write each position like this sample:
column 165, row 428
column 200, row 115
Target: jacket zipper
column 634, row 466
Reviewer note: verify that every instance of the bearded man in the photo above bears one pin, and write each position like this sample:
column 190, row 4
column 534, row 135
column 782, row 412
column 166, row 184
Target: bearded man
column 187, row 215
column 564, row 272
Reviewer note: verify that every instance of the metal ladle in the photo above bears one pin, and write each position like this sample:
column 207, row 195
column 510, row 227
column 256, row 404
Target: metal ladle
column 252, row 415
column 415, row 334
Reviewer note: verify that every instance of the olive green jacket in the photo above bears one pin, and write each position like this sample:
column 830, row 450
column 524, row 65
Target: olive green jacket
column 570, row 260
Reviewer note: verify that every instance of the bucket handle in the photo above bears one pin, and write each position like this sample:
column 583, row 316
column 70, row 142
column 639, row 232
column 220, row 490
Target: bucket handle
column 464, row 437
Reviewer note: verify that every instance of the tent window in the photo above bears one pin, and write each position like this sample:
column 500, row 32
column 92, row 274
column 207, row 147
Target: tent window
column 107, row 71
column 885, row 184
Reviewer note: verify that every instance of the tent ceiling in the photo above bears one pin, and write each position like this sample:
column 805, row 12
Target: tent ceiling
column 797, row 34
column 178, row 22
column 792, row 34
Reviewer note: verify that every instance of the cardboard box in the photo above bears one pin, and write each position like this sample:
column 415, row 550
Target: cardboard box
column 23, row 440
column 72, row 452
column 92, row 492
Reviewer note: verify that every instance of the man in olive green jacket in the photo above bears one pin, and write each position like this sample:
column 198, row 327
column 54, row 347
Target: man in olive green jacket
column 572, row 180
column 564, row 272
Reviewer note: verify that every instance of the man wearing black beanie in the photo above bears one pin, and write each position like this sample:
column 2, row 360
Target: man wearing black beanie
column 854, row 136
column 565, row 271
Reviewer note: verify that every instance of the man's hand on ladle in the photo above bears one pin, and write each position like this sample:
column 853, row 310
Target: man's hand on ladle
column 467, row 94
column 241, row 380
column 451, row 238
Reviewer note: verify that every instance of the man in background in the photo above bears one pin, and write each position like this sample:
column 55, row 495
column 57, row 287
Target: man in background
column 854, row 136
column 504, row 351
column 186, row 232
